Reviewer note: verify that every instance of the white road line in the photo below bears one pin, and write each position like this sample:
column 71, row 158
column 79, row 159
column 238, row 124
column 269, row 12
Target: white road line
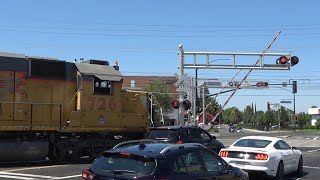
column 68, row 177
column 314, row 150
column 38, row 167
column 26, row 175
column 310, row 167
column 315, row 138
column 15, row 177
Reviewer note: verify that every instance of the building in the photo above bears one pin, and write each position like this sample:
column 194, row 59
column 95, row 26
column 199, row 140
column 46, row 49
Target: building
column 139, row 82
column 315, row 114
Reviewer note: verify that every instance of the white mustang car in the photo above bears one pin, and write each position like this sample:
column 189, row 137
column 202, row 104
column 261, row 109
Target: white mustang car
column 264, row 155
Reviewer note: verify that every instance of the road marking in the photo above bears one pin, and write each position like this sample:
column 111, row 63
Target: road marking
column 38, row 167
column 15, row 177
column 26, row 175
column 310, row 167
column 68, row 177
column 314, row 150
column 315, row 138
column 23, row 176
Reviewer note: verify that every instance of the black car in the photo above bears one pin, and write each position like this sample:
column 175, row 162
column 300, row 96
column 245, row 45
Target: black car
column 142, row 160
column 232, row 129
column 184, row 134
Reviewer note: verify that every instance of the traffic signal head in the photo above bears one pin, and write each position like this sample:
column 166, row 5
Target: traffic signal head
column 294, row 87
column 294, row 60
column 175, row 104
column 262, row 84
column 187, row 104
column 282, row 60
column 268, row 105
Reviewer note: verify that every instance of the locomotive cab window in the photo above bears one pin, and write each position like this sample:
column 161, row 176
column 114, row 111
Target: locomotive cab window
column 102, row 86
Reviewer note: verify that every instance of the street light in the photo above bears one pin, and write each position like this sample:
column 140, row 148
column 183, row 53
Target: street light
column 196, row 83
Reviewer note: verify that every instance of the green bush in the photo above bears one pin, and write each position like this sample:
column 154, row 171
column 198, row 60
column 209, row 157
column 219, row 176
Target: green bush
column 308, row 126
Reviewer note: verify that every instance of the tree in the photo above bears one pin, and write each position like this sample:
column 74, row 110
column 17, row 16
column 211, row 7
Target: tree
column 161, row 98
column 160, row 92
column 303, row 119
column 258, row 118
column 314, row 106
column 232, row 115
column 248, row 114
column 268, row 117
column 210, row 102
column 284, row 117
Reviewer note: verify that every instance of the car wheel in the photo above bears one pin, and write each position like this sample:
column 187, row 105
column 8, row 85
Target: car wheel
column 300, row 167
column 280, row 171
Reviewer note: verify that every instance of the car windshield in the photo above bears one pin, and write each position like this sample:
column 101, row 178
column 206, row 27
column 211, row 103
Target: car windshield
column 252, row 143
column 123, row 164
column 162, row 134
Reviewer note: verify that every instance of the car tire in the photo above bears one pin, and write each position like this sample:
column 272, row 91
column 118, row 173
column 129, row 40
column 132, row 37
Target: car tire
column 280, row 171
column 300, row 167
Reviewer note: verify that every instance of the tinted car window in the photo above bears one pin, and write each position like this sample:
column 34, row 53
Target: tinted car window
column 213, row 163
column 195, row 133
column 123, row 164
column 162, row 134
column 281, row 145
column 205, row 136
column 192, row 162
column 183, row 133
column 254, row 143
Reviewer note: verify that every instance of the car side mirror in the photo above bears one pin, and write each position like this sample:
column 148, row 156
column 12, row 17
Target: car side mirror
column 294, row 148
column 214, row 137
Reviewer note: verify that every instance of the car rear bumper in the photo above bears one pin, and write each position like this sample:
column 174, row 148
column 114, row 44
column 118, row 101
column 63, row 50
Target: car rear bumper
column 254, row 169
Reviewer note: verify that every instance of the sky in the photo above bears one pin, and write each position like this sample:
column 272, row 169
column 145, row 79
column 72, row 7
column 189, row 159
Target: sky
column 144, row 37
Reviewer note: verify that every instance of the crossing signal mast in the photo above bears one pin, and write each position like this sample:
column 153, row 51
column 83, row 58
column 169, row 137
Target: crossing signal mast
column 284, row 62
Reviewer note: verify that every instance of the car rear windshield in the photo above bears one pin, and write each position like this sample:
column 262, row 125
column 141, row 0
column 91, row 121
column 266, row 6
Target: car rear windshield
column 123, row 164
column 252, row 143
column 162, row 134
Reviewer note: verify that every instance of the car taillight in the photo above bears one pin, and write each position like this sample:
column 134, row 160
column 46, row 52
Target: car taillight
column 261, row 156
column 87, row 175
column 224, row 153
column 180, row 142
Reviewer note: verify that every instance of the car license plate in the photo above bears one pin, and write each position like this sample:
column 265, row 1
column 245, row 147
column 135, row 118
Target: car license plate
column 240, row 163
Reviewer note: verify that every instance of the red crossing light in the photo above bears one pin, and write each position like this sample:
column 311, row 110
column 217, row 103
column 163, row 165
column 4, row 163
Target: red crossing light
column 262, row 84
column 175, row 104
column 282, row 60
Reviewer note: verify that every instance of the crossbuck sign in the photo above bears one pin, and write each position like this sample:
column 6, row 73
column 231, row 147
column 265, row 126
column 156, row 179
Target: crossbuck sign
column 183, row 83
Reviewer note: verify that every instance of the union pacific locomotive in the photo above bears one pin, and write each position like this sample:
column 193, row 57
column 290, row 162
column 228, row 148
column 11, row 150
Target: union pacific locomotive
column 64, row 110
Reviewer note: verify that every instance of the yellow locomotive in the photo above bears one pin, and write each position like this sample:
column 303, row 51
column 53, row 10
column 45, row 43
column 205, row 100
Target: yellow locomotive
column 60, row 110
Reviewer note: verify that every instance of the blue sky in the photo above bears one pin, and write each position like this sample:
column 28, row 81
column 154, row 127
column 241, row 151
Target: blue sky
column 144, row 36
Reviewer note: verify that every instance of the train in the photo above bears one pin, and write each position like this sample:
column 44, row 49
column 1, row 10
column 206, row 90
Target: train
column 65, row 110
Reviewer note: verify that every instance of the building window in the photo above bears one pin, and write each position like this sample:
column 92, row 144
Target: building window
column 132, row 83
column 102, row 86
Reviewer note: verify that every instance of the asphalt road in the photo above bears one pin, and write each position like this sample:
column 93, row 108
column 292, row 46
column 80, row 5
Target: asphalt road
column 309, row 144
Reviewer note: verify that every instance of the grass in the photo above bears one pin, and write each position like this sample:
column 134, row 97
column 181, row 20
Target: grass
column 308, row 130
